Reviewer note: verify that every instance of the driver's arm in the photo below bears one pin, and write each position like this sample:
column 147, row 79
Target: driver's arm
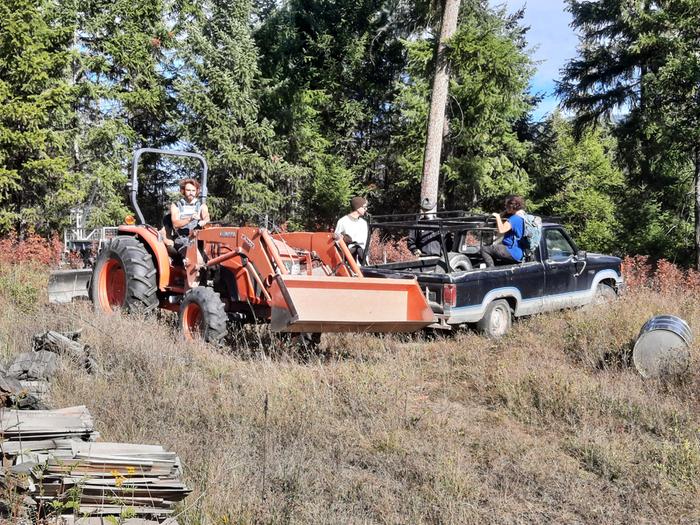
column 204, row 215
column 175, row 216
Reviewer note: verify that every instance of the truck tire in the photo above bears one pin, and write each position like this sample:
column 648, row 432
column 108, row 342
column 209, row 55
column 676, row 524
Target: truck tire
column 460, row 262
column 203, row 316
column 604, row 293
column 497, row 319
column 124, row 277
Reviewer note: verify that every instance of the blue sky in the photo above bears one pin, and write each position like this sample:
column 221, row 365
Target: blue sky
column 553, row 41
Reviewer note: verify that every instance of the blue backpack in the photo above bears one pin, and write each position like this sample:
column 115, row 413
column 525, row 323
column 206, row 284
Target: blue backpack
column 532, row 234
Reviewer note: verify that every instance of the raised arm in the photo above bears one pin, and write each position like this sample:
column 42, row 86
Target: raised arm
column 501, row 225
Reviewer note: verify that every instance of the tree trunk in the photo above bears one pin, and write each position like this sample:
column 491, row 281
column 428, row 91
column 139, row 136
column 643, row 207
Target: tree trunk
column 438, row 101
column 696, row 181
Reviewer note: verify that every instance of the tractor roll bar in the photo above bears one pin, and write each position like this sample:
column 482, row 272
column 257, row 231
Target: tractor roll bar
column 133, row 184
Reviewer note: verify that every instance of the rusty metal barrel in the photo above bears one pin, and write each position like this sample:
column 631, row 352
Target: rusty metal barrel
column 662, row 348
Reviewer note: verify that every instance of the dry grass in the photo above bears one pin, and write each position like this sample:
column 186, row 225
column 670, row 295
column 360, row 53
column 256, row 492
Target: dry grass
column 548, row 425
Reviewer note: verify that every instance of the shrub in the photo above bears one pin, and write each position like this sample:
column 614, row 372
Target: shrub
column 387, row 249
column 24, row 263
column 31, row 248
column 662, row 276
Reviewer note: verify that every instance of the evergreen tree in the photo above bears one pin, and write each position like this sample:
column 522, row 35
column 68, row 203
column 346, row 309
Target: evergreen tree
column 674, row 95
column 490, row 71
column 122, row 78
column 34, row 111
column 577, row 180
column 331, row 70
column 248, row 177
column 637, row 58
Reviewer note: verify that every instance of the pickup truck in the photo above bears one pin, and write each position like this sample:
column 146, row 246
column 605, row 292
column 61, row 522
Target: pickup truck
column 461, row 290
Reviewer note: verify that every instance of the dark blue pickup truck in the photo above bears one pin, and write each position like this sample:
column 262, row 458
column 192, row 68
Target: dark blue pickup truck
column 462, row 291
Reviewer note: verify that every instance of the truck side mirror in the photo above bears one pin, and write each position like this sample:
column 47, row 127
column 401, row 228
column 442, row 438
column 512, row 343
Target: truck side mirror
column 581, row 255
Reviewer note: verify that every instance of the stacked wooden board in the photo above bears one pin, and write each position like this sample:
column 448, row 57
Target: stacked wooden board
column 66, row 468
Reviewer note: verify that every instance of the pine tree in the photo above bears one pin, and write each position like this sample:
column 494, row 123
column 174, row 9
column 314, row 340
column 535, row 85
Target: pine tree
column 122, row 76
column 674, row 96
column 482, row 154
column 34, row 110
column 249, row 178
column 331, row 70
column 637, row 58
column 577, row 180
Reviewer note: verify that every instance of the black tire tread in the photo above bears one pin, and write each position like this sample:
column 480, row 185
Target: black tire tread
column 214, row 312
column 141, row 295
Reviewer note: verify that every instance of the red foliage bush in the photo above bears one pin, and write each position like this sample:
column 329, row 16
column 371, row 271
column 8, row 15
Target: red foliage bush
column 388, row 249
column 31, row 248
column 75, row 260
column 637, row 271
column 668, row 277
column 662, row 276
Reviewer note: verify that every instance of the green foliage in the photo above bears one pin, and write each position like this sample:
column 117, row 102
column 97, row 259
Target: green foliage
column 331, row 70
column 123, row 78
column 640, row 58
column 34, row 107
column 578, row 181
column 220, row 111
column 482, row 154
column 299, row 105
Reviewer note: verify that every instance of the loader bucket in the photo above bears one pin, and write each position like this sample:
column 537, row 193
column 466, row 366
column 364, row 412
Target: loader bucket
column 66, row 285
column 305, row 303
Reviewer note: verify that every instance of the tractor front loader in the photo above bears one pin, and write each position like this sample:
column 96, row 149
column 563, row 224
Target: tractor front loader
column 298, row 282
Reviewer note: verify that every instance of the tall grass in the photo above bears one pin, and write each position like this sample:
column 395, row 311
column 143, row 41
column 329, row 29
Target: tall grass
column 550, row 424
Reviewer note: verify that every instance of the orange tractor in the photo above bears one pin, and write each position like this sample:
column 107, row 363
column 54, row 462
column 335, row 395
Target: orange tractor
column 298, row 282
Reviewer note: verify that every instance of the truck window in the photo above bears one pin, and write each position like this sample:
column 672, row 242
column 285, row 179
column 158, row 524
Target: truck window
column 558, row 247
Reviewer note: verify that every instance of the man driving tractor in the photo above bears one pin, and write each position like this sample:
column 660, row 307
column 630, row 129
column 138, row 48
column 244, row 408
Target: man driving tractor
column 187, row 214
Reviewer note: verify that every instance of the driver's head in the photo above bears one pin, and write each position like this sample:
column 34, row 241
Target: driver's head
column 189, row 189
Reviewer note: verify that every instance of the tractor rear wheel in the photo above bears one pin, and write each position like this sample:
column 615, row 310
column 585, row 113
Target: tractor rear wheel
column 124, row 277
column 203, row 316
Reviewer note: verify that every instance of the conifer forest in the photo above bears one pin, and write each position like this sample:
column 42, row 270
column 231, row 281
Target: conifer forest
column 300, row 104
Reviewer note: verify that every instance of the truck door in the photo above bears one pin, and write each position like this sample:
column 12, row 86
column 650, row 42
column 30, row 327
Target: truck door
column 560, row 269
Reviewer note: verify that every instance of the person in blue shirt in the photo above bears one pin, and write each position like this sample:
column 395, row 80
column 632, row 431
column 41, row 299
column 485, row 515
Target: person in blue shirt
column 508, row 250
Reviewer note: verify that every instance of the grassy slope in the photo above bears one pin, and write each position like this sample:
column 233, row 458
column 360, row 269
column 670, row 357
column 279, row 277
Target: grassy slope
column 546, row 425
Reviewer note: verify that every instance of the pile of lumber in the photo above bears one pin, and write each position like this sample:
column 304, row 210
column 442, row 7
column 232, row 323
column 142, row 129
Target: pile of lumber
column 55, row 453
column 36, row 430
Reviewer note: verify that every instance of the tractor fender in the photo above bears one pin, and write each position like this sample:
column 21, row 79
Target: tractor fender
column 154, row 244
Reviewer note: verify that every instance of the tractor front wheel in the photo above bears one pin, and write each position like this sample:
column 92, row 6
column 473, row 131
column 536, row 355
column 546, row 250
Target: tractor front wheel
column 203, row 316
column 124, row 277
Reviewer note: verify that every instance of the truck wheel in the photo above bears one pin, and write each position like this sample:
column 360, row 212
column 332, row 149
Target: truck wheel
column 124, row 277
column 604, row 293
column 497, row 319
column 460, row 262
column 203, row 316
